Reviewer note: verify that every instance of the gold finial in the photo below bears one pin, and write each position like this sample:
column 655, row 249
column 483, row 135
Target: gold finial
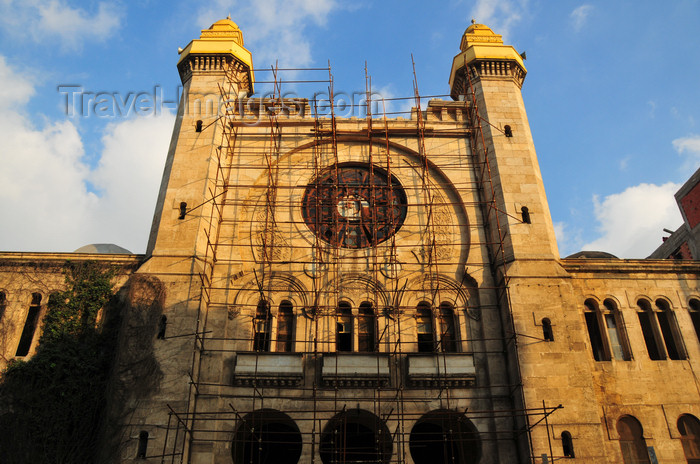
column 473, row 21
column 229, row 16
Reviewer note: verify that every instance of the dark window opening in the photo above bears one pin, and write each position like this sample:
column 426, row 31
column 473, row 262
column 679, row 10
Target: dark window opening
column 547, row 331
column 567, row 445
column 594, row 333
column 444, row 436
column 143, row 445
column 669, row 331
column 25, row 341
column 366, row 330
column 647, row 321
column 355, row 436
column 198, row 126
column 689, row 428
column 285, row 327
column 632, row 442
column 448, row 331
column 508, row 131
column 424, row 328
column 261, row 327
column 343, row 336
column 183, row 210
column 162, row 324
column 266, row 436
column 525, row 213
column 695, row 316
column 3, row 304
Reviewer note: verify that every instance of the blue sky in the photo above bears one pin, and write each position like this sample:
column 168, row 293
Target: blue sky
column 611, row 93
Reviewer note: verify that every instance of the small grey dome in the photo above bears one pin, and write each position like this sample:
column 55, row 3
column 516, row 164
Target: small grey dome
column 592, row 255
column 106, row 248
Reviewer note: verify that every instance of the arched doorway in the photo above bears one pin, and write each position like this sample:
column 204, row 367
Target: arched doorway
column 444, row 436
column 266, row 436
column 356, row 436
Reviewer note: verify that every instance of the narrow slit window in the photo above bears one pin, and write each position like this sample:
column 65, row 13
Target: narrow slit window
column 3, row 304
column 198, row 126
column 525, row 213
column 547, row 331
column 567, row 445
column 25, row 341
column 183, row 210
column 424, row 328
column 261, row 327
column 366, row 330
column 285, row 327
column 508, row 131
column 143, row 445
column 162, row 325
column 343, row 336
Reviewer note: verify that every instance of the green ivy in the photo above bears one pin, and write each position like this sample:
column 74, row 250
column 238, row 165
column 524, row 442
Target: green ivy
column 51, row 406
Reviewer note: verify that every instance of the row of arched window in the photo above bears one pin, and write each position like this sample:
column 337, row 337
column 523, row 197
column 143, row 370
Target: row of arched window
column 633, row 445
column 662, row 336
column 435, row 330
column 30, row 323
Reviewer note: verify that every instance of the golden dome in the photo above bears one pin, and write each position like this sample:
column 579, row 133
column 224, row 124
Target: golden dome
column 479, row 34
column 223, row 29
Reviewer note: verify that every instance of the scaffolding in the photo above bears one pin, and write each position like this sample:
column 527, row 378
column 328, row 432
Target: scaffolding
column 291, row 384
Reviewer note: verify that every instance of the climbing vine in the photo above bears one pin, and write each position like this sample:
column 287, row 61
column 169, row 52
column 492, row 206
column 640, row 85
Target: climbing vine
column 51, row 406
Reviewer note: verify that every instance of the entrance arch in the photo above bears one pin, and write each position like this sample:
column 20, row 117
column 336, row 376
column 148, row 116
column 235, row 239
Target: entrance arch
column 444, row 436
column 356, row 436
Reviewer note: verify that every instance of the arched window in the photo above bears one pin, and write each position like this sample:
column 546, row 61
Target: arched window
column 689, row 428
column 266, row 436
column 694, row 309
column 25, row 341
column 355, row 436
column 285, row 327
column 3, row 304
column 366, row 330
column 198, row 126
column 424, row 328
column 343, row 335
column 444, row 436
column 632, row 442
column 598, row 345
column 567, row 445
column 261, row 327
column 448, row 328
column 183, row 210
column 525, row 213
column 669, row 330
column 547, row 332
column 619, row 348
column 650, row 330
column 143, row 445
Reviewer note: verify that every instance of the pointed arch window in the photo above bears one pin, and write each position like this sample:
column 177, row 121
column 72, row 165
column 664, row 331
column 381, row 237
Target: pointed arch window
column 261, row 327
column 367, row 328
column 424, row 328
column 25, row 341
column 285, row 327
column 689, row 428
column 448, row 328
column 632, row 442
column 343, row 335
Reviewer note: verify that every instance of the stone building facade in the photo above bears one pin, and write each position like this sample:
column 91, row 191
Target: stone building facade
column 386, row 290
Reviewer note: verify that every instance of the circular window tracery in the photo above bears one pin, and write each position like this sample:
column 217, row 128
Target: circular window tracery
column 354, row 205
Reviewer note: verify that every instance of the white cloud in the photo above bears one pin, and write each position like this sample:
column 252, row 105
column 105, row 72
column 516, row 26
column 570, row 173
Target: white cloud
column 690, row 148
column 580, row 15
column 43, row 178
column 56, row 20
column 631, row 222
column 276, row 26
column 499, row 15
